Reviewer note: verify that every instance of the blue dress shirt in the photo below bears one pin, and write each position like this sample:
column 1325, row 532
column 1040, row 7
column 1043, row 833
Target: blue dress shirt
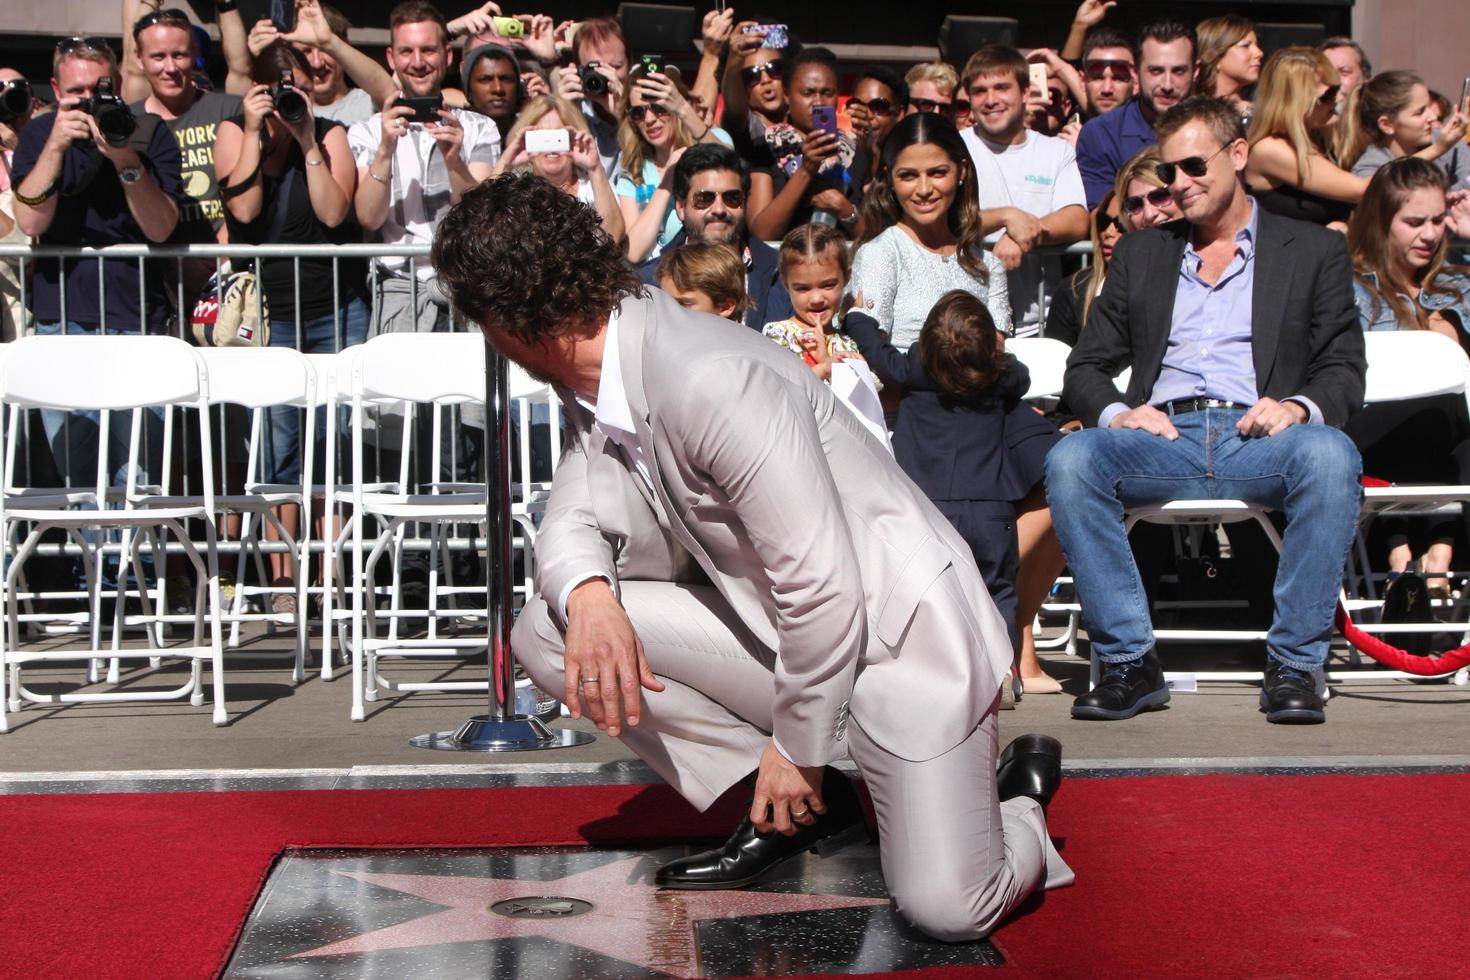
column 1106, row 143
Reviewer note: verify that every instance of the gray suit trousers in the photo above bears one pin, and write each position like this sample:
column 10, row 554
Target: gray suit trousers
column 955, row 860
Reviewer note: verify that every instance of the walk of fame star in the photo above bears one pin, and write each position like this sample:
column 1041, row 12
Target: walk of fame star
column 630, row 920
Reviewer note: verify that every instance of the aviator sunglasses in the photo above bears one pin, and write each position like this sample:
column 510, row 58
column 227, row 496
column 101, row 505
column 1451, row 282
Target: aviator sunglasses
column 637, row 112
column 1192, row 166
column 1158, row 197
column 705, row 199
column 776, row 69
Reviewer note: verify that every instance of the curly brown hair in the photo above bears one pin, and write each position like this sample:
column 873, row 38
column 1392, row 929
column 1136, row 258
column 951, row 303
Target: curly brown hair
column 518, row 255
column 960, row 347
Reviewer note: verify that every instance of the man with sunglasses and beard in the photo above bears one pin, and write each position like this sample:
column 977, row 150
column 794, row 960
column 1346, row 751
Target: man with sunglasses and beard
column 1166, row 69
column 711, row 188
column 1240, row 331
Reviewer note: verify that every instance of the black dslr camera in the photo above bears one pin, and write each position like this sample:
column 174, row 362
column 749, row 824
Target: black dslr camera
column 114, row 119
column 289, row 100
column 594, row 82
column 15, row 99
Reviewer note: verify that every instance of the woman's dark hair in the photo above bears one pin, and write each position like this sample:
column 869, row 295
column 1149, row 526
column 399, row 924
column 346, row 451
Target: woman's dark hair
column 881, row 209
column 960, row 347
column 518, row 255
column 276, row 59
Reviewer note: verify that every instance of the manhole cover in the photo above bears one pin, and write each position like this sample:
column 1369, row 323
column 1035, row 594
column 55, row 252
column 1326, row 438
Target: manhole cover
column 541, row 907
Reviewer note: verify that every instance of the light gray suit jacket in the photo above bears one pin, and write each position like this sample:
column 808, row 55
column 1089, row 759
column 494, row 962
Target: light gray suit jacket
column 821, row 545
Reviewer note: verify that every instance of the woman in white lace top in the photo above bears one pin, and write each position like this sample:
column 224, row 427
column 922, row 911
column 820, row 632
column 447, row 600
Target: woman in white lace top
column 922, row 233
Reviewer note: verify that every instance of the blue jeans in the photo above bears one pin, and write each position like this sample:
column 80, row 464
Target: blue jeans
column 1310, row 472
column 319, row 336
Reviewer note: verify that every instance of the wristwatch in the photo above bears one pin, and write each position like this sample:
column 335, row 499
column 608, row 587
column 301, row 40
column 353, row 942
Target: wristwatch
column 223, row 6
column 130, row 175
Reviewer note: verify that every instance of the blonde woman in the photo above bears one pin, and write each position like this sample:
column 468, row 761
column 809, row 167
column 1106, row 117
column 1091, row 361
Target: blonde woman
column 1139, row 199
column 659, row 124
column 576, row 171
column 1229, row 60
column 1290, row 170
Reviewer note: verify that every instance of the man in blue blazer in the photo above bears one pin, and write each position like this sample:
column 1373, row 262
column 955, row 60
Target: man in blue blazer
column 1242, row 337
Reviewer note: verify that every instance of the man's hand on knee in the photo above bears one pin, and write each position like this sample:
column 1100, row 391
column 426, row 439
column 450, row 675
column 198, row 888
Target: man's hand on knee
column 1147, row 418
column 604, row 658
column 788, row 797
column 1268, row 416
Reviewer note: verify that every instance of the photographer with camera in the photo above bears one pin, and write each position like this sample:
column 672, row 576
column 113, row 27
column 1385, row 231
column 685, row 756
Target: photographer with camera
column 414, row 160
column 92, row 173
column 289, row 180
column 595, row 82
column 320, row 34
column 17, row 104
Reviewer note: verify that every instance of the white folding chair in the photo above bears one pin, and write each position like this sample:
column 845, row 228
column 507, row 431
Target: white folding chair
column 259, row 379
column 1404, row 365
column 420, row 372
column 1046, row 361
column 114, row 375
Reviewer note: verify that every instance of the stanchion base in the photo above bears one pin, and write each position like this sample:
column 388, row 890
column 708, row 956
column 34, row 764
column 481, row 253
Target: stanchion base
column 517, row 733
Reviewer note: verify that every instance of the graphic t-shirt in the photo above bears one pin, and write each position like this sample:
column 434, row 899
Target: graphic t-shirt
column 1038, row 176
column 202, row 213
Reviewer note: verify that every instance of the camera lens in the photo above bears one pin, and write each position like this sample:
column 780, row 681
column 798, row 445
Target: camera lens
column 290, row 105
column 15, row 99
column 116, row 123
column 594, row 83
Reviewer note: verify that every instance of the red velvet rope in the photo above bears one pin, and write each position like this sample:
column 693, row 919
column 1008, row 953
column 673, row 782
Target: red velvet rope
column 1391, row 656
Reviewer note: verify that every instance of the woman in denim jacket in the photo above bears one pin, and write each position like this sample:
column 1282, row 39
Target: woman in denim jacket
column 1399, row 239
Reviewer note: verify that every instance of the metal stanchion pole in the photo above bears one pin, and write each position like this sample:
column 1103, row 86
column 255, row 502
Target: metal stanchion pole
column 502, row 730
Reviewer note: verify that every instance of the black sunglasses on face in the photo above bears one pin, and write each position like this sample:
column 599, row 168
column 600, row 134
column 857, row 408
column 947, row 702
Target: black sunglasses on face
column 932, row 105
column 704, row 199
column 775, row 69
column 639, row 111
column 1095, row 71
column 1105, row 221
column 1158, row 197
column 167, row 14
column 1330, row 96
column 1192, row 166
column 878, row 107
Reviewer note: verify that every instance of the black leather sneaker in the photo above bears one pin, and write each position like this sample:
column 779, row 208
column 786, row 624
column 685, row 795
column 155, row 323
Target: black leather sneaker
column 1289, row 696
column 1124, row 690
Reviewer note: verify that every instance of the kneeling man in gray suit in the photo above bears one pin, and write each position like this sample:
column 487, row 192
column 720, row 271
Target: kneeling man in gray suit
column 737, row 580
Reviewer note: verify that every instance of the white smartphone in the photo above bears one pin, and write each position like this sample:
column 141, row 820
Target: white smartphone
column 547, row 141
column 1038, row 79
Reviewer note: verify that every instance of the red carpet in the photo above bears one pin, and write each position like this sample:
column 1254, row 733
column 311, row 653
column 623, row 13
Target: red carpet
column 1307, row 876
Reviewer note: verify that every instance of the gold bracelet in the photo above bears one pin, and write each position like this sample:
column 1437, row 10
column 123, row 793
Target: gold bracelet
column 381, row 180
column 317, row 163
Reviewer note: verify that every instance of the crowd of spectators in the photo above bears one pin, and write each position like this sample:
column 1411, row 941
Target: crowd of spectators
column 890, row 189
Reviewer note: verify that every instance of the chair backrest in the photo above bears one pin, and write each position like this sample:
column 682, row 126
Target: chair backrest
column 258, row 377
column 116, row 372
column 1406, row 364
column 1045, row 360
column 416, row 367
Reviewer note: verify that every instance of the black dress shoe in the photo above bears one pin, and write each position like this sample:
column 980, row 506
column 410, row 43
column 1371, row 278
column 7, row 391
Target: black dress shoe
column 1289, row 696
column 749, row 855
column 1124, row 690
column 1030, row 766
